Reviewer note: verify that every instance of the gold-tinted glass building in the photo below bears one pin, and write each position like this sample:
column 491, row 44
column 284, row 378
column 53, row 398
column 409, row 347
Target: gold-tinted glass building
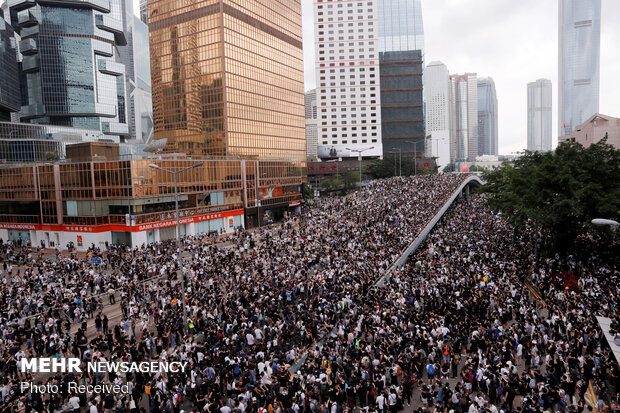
column 228, row 77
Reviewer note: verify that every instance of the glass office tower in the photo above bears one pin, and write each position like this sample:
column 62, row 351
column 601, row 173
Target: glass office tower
column 402, row 116
column 9, row 78
column 400, row 25
column 228, row 77
column 579, row 62
column 70, row 64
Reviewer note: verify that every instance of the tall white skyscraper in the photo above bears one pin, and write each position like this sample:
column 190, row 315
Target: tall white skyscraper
column 137, row 60
column 579, row 62
column 487, row 117
column 464, row 117
column 347, row 74
column 311, row 125
column 437, row 86
column 539, row 115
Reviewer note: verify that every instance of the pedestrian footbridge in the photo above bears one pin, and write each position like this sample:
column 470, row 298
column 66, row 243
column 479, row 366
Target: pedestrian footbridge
column 463, row 190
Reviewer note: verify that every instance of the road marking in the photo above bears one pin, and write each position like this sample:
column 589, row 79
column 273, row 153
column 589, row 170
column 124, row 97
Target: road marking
column 536, row 294
column 591, row 397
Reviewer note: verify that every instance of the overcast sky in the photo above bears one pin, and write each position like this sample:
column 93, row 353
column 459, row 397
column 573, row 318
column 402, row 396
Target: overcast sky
column 512, row 41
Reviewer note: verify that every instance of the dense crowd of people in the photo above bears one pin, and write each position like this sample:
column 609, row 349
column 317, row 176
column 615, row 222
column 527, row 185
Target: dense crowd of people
column 290, row 318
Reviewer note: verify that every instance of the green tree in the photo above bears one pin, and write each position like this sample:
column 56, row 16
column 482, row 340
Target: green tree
column 386, row 167
column 557, row 192
column 382, row 168
column 332, row 184
column 307, row 191
column 351, row 180
column 476, row 168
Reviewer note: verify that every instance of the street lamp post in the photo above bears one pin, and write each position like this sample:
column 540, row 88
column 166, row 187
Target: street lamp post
column 436, row 149
column 129, row 210
column 415, row 155
column 400, row 161
column 415, row 152
column 359, row 157
column 178, row 229
column 258, row 202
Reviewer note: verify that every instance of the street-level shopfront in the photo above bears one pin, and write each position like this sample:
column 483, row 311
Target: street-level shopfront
column 82, row 237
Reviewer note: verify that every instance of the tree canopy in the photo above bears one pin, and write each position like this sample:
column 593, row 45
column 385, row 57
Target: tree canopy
column 558, row 192
column 393, row 165
column 340, row 183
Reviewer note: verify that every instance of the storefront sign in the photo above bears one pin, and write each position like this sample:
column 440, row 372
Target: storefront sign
column 121, row 227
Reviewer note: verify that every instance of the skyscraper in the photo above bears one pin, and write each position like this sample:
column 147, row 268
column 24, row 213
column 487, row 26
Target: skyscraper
column 144, row 12
column 401, row 33
column 402, row 109
column 487, row 117
column 9, row 76
column 464, row 117
column 579, row 62
column 400, row 25
column 437, row 87
column 72, row 76
column 228, row 77
column 347, row 73
column 539, row 115
column 136, row 58
column 311, row 125
column 310, row 104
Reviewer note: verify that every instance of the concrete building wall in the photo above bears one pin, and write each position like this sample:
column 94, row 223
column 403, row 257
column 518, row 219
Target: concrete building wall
column 595, row 129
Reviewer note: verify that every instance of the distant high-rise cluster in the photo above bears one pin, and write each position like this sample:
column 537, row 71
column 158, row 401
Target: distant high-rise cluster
column 539, row 107
column 374, row 93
